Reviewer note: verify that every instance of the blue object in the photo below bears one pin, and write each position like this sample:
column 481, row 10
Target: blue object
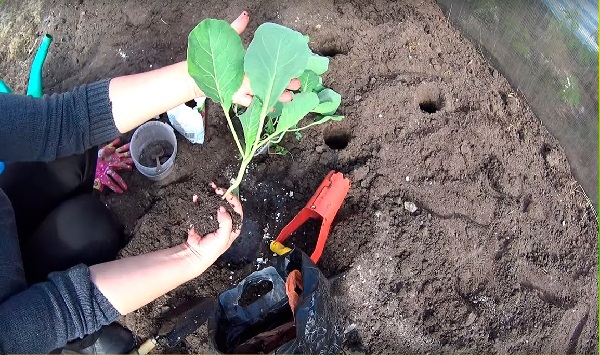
column 34, row 86
column 35, row 76
column 4, row 89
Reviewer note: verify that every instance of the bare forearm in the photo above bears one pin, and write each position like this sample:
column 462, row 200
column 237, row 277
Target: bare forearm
column 139, row 97
column 133, row 282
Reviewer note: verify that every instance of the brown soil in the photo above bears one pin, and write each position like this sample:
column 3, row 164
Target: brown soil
column 499, row 255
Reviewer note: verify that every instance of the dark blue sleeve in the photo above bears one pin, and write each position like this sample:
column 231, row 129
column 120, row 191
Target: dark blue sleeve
column 43, row 129
column 47, row 315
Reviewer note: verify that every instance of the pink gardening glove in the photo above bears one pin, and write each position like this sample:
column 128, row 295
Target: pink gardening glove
column 110, row 160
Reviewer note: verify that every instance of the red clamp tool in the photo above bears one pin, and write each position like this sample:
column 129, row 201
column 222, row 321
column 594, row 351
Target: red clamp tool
column 324, row 204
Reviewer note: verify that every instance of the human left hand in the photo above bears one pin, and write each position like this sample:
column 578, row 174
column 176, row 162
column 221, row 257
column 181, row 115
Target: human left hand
column 110, row 160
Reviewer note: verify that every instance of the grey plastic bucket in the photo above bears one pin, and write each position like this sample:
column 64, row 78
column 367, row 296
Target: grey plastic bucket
column 145, row 134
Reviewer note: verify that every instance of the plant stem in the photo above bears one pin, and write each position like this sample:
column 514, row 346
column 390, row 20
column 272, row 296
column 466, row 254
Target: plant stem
column 269, row 138
column 305, row 127
column 263, row 114
column 245, row 162
column 235, row 136
column 240, row 175
column 257, row 143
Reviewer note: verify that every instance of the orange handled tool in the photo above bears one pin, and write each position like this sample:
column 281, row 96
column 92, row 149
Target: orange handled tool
column 324, row 204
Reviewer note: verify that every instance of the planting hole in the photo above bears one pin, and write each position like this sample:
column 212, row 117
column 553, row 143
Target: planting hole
column 337, row 140
column 428, row 106
column 331, row 52
column 332, row 47
column 429, row 98
column 254, row 292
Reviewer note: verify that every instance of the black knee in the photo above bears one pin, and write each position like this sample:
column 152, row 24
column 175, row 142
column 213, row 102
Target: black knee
column 80, row 230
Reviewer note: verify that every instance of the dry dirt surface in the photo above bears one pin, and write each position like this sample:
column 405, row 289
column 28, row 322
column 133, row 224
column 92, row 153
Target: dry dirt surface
column 463, row 231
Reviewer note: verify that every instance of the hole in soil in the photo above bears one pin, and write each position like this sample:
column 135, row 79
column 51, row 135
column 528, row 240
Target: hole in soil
column 331, row 51
column 305, row 238
column 254, row 292
column 545, row 150
column 337, row 140
column 331, row 48
column 429, row 98
column 428, row 106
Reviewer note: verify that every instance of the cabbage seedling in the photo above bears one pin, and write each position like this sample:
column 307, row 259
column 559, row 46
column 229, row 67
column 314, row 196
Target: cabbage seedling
column 217, row 61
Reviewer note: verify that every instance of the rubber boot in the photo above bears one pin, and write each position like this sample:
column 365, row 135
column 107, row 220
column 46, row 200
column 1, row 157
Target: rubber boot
column 110, row 339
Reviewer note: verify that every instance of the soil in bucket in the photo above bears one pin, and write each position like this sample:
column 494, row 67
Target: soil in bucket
column 254, row 292
column 156, row 152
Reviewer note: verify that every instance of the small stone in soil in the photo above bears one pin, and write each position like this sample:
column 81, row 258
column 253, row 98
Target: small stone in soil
column 410, row 207
column 350, row 328
column 162, row 148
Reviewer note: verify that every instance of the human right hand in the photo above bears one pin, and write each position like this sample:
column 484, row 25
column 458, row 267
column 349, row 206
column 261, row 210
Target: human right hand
column 211, row 246
column 160, row 271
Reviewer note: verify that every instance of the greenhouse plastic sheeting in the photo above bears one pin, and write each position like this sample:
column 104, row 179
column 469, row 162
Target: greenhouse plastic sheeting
column 548, row 50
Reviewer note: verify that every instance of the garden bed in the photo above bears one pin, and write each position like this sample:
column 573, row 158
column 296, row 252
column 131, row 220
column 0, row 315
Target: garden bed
column 464, row 230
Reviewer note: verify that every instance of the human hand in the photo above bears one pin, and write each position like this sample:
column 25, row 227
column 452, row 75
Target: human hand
column 211, row 246
column 110, row 160
column 244, row 94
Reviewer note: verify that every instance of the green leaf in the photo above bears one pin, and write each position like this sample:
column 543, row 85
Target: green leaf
column 317, row 64
column 329, row 101
column 308, row 80
column 279, row 150
column 295, row 110
column 298, row 135
column 278, row 107
column 215, row 58
column 276, row 55
column 319, row 86
column 269, row 127
column 250, row 120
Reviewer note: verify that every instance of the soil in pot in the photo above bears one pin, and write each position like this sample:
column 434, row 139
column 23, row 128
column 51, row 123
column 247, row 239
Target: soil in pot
column 156, row 152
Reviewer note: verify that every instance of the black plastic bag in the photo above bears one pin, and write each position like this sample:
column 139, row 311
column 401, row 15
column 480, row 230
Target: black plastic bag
column 238, row 321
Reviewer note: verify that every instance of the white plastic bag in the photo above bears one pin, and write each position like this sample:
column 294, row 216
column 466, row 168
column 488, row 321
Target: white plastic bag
column 189, row 121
